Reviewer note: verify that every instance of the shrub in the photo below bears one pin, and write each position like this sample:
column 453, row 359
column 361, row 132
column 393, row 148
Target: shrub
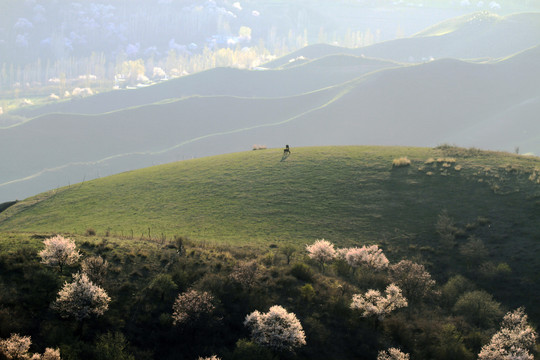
column 95, row 268
column 302, row 272
column 413, row 279
column 479, row 308
column 401, row 162
column 90, row 232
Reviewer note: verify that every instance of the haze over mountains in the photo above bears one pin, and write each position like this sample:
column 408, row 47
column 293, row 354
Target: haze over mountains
column 471, row 81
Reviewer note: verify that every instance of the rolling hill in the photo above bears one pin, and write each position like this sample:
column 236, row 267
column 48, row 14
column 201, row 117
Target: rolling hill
column 480, row 35
column 349, row 195
column 308, row 77
column 444, row 101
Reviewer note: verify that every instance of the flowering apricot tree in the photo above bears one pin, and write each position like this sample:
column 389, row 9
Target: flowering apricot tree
column 321, row 251
column 513, row 341
column 392, row 354
column 81, row 299
column 59, row 251
column 373, row 303
column 16, row 347
column 192, row 306
column 277, row 329
column 370, row 256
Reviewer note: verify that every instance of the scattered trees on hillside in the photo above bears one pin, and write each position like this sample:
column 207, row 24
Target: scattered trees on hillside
column 81, row 299
column 321, row 251
column 192, row 306
column 514, row 340
column 413, row 279
column 17, row 347
column 277, row 329
column 392, row 354
column 373, row 303
column 59, row 251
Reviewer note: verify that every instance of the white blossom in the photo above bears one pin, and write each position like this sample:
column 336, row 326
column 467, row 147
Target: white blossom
column 15, row 347
column 373, row 303
column 392, row 354
column 322, row 251
column 51, row 354
column 371, row 256
column 513, row 341
column 192, row 306
column 245, row 273
column 59, row 251
column 213, row 357
column 81, row 298
column 277, row 329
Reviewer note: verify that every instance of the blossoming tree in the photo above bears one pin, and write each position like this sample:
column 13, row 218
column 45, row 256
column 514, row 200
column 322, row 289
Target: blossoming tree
column 81, row 299
column 370, row 256
column 59, row 251
column 392, row 354
column 277, row 329
column 192, row 306
column 513, row 341
column 321, row 251
column 373, row 303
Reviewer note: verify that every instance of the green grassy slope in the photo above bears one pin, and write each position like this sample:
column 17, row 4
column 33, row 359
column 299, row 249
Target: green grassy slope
column 349, row 195
column 342, row 193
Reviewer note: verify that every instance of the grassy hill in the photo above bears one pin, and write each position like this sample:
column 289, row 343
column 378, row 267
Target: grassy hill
column 342, row 193
column 349, row 195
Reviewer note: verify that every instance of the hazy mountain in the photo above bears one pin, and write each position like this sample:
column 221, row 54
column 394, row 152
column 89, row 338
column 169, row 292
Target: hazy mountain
column 307, row 77
column 473, row 36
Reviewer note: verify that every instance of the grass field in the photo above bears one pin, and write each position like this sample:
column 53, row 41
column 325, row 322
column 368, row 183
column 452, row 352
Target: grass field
column 346, row 194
